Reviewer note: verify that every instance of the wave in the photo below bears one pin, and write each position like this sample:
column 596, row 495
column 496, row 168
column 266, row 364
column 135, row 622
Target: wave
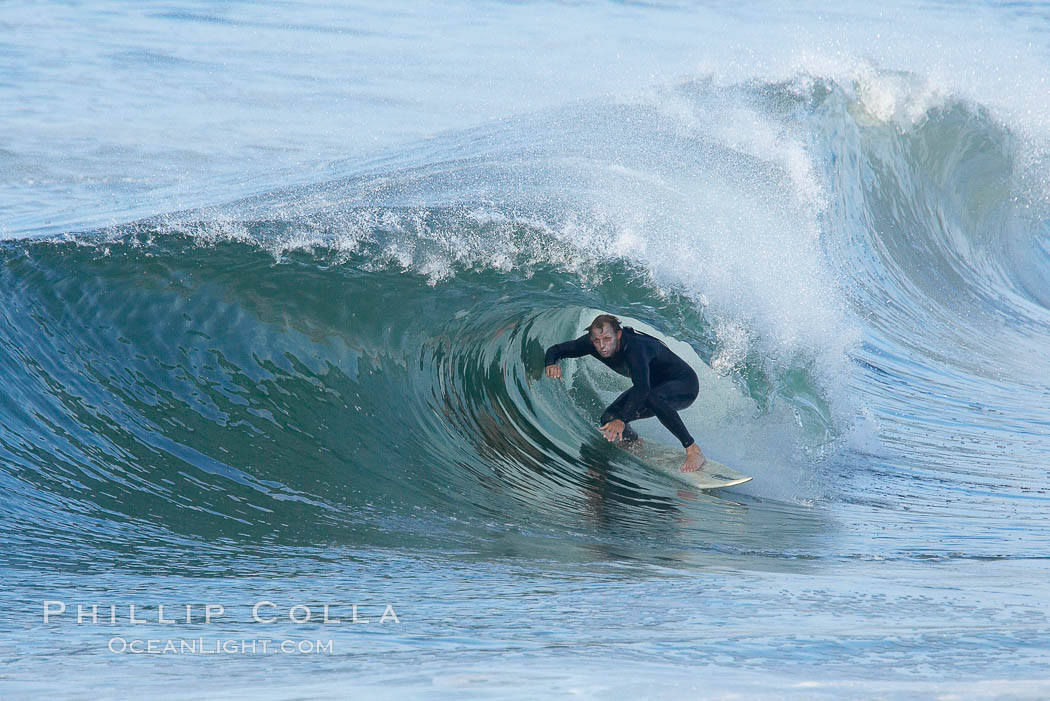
column 209, row 391
column 338, row 360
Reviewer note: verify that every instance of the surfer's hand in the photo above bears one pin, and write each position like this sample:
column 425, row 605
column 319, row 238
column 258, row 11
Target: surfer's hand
column 554, row 371
column 613, row 430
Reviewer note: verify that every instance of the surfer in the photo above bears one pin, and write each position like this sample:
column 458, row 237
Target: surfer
column 663, row 382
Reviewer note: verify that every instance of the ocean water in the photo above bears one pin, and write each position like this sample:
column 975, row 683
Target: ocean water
column 277, row 280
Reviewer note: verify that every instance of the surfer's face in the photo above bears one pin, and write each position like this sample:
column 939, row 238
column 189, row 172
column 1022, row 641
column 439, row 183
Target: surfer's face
column 606, row 342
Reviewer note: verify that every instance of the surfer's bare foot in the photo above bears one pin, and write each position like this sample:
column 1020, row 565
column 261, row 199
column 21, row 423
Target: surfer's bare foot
column 694, row 459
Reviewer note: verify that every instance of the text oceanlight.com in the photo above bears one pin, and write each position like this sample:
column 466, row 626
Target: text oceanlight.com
column 218, row 646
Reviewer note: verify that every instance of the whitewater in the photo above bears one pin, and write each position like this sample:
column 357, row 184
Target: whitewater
column 277, row 283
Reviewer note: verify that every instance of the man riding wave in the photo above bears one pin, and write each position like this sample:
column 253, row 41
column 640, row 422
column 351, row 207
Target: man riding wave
column 663, row 382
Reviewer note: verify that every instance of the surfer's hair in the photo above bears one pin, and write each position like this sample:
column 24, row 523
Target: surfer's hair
column 600, row 321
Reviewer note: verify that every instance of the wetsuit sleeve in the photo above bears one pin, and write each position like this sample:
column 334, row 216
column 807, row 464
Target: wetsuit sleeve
column 570, row 349
column 638, row 365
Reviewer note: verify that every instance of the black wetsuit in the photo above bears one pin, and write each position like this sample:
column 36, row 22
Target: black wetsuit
column 663, row 382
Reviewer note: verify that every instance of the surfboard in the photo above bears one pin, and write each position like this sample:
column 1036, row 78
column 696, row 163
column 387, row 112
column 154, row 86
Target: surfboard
column 711, row 475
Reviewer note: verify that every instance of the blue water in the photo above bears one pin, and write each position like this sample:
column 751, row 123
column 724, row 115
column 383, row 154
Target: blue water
column 277, row 280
